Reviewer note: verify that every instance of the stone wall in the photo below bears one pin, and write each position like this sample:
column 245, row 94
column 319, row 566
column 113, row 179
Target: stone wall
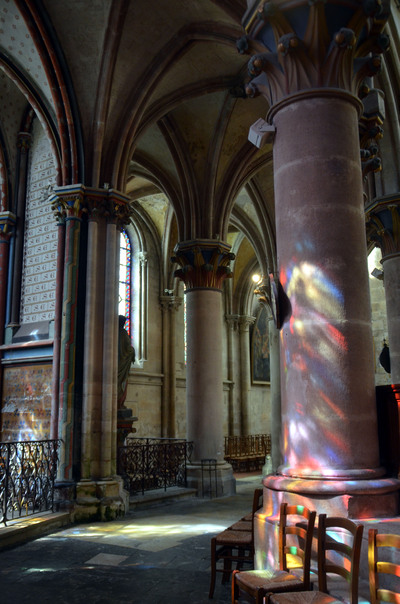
column 40, row 244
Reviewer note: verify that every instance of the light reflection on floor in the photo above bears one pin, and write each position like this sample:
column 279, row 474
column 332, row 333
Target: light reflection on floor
column 157, row 535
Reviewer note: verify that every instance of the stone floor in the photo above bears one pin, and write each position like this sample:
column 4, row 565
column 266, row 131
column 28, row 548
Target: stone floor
column 156, row 555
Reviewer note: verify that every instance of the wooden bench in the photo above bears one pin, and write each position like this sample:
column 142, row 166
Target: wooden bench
column 247, row 453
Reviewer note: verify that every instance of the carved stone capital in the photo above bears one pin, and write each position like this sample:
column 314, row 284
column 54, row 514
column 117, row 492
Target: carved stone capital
column 122, row 208
column 169, row 303
column 298, row 46
column 75, row 201
column 110, row 205
column 204, row 263
column 7, row 225
column 244, row 323
column 383, row 224
column 232, row 321
column 24, row 141
column 68, row 202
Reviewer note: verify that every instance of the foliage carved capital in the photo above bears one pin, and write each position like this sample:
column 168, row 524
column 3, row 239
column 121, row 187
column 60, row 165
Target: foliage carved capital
column 203, row 263
column 312, row 44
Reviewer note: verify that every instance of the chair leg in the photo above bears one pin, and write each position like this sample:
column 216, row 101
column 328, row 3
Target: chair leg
column 227, row 568
column 260, row 595
column 213, row 567
column 235, row 588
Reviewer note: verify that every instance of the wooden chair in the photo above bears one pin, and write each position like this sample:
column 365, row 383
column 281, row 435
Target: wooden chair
column 377, row 567
column 296, row 520
column 339, row 548
column 234, row 545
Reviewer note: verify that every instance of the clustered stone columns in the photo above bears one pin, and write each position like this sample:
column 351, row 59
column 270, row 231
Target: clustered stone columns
column 329, row 439
column 204, row 265
column 88, row 415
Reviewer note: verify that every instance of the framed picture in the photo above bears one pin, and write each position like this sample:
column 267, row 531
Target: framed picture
column 260, row 360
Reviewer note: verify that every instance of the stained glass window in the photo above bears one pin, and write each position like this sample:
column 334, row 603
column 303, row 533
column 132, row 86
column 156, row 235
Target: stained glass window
column 125, row 266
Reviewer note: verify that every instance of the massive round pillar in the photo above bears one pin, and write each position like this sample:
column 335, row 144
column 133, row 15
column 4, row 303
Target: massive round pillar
column 204, row 267
column 328, row 393
column 311, row 60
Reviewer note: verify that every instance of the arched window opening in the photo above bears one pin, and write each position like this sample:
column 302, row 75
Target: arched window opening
column 125, row 284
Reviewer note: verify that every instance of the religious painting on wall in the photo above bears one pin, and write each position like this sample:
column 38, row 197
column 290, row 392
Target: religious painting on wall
column 26, row 403
column 260, row 361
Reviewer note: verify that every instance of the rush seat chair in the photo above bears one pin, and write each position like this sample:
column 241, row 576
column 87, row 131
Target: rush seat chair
column 234, row 545
column 339, row 549
column 296, row 528
column 383, row 546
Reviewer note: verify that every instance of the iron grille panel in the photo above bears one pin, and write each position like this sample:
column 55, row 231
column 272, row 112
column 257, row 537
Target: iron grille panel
column 28, row 470
column 153, row 463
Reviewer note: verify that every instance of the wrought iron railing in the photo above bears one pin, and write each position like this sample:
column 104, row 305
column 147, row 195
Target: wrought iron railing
column 28, row 470
column 153, row 463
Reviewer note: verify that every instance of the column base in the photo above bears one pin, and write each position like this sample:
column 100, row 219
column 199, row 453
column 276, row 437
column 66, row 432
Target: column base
column 376, row 498
column 218, row 483
column 364, row 500
column 101, row 500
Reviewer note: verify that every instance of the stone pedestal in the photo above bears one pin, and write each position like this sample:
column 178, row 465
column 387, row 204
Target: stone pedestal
column 125, row 420
column 211, row 484
column 100, row 500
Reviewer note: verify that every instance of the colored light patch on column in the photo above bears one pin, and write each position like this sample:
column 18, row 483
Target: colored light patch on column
column 310, row 368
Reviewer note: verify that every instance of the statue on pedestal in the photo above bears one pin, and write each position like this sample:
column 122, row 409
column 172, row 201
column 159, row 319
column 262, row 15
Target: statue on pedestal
column 126, row 356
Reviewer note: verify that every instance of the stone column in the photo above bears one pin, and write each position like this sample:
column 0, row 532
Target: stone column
column 264, row 292
column 68, row 205
column 169, row 305
column 23, row 146
column 245, row 376
column 55, row 385
column 232, row 322
column 204, row 266
column 275, row 393
column 383, row 228
column 7, row 225
column 330, row 444
column 99, row 492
